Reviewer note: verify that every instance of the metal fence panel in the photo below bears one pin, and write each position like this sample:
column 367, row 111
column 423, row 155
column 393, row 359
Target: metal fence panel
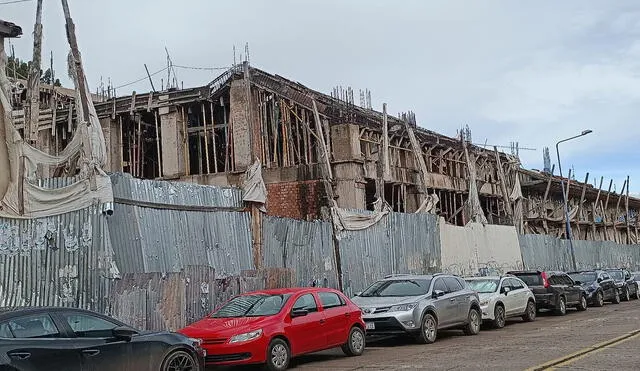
column 154, row 240
column 305, row 247
column 63, row 260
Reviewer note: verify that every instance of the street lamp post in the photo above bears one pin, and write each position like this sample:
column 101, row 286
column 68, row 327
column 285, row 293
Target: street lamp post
column 565, row 201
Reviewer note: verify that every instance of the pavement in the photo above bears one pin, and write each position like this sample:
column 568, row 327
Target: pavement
column 606, row 338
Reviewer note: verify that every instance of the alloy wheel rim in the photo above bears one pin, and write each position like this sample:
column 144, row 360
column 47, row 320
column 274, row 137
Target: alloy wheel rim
column 474, row 320
column 583, row 301
column 626, row 294
column 532, row 310
column 500, row 316
column 279, row 355
column 181, row 362
column 600, row 299
column 357, row 341
column 563, row 306
column 429, row 328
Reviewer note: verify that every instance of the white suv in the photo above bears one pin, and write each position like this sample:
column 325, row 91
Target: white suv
column 502, row 297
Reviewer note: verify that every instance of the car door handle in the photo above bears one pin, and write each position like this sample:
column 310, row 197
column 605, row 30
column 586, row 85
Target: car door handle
column 347, row 314
column 321, row 321
column 91, row 352
column 20, row 355
column 452, row 299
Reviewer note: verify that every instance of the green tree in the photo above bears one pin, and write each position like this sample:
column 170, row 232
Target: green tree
column 20, row 69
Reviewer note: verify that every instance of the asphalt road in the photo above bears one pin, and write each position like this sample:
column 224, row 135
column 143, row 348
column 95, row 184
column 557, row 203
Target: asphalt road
column 604, row 338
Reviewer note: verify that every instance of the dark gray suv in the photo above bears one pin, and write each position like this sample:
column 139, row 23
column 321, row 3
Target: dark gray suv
column 419, row 305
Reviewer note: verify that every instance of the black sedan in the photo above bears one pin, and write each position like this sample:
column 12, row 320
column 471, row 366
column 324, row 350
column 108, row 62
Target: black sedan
column 600, row 287
column 627, row 286
column 73, row 339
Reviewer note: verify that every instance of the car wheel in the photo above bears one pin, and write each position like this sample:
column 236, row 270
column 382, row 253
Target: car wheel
column 355, row 343
column 599, row 299
column 616, row 298
column 499, row 317
column 428, row 330
column 637, row 294
column 278, row 355
column 625, row 295
column 583, row 303
column 474, row 322
column 561, row 310
column 530, row 313
column 180, row 360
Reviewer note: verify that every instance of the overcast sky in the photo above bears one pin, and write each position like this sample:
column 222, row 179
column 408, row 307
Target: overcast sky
column 529, row 72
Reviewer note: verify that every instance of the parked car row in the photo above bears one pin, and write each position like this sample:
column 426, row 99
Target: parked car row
column 272, row 326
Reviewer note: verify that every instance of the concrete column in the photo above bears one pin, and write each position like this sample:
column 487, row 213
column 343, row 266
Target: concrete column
column 113, row 144
column 173, row 142
column 240, row 124
column 349, row 185
column 345, row 142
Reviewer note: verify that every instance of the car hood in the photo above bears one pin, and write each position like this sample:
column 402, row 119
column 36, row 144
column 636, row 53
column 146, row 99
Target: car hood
column 385, row 301
column 209, row 328
column 487, row 295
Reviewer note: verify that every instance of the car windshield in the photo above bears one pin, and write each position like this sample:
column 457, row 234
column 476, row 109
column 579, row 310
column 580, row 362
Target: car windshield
column 252, row 306
column 531, row 279
column 584, row 277
column 484, row 286
column 407, row 287
column 616, row 275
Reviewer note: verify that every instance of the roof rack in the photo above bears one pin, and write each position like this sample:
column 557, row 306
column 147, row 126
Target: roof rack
column 396, row 275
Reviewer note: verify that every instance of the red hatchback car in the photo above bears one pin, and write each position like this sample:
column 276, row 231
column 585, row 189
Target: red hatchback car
column 272, row 326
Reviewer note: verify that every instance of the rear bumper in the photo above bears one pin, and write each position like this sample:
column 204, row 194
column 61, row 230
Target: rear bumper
column 546, row 301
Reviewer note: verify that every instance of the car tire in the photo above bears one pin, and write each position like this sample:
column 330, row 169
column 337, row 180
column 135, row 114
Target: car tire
column 625, row 294
column 530, row 312
column 583, row 304
column 355, row 343
column 637, row 294
column 474, row 321
column 616, row 298
column 428, row 329
column 561, row 309
column 499, row 316
column 599, row 299
column 179, row 360
column 278, row 355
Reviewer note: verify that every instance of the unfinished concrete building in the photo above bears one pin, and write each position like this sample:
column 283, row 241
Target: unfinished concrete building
column 212, row 134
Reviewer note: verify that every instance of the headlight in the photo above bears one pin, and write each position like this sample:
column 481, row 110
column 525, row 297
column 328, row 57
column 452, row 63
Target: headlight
column 484, row 302
column 403, row 307
column 246, row 336
column 197, row 343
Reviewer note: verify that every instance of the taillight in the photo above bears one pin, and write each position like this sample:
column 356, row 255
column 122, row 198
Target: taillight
column 545, row 282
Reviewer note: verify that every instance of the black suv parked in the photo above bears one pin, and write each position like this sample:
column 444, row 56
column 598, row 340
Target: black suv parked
column 626, row 284
column 554, row 290
column 600, row 287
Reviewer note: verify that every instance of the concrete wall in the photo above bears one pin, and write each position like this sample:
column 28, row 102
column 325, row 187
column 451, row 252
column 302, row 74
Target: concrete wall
column 477, row 248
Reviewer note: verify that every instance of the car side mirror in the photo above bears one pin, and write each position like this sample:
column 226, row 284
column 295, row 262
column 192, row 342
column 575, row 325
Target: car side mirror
column 124, row 333
column 357, row 293
column 599, row 279
column 437, row 293
column 299, row 313
column 505, row 290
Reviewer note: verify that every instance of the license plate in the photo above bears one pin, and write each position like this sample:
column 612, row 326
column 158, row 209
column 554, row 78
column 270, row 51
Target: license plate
column 370, row 325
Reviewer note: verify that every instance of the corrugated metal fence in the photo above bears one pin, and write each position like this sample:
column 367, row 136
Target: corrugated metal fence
column 160, row 226
column 399, row 243
column 305, row 247
column 546, row 252
column 63, row 260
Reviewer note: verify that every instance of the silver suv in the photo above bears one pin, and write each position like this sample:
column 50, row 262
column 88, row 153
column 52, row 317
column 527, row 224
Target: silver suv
column 419, row 305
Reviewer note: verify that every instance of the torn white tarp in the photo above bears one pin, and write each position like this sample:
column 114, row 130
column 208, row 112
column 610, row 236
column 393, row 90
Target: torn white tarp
column 516, row 198
column 345, row 220
column 429, row 204
column 22, row 197
column 253, row 185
